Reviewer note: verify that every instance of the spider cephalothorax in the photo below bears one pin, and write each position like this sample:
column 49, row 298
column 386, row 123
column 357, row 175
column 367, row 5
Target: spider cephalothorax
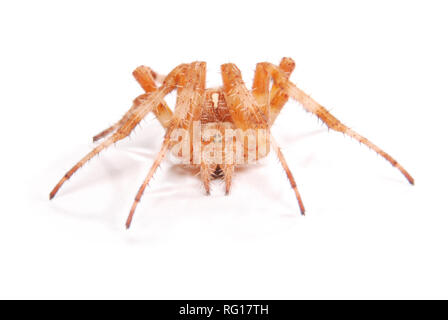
column 220, row 128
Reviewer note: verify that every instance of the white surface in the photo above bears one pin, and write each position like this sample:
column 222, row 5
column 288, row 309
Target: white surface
column 65, row 74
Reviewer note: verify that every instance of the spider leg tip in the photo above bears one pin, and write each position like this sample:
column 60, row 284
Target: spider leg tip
column 128, row 223
column 52, row 194
column 409, row 178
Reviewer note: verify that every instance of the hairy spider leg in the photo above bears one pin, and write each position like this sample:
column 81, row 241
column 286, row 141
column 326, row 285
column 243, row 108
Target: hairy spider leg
column 108, row 131
column 241, row 103
column 228, row 170
column 275, row 100
column 312, row 106
column 144, row 77
column 243, row 109
column 143, row 104
column 272, row 101
column 288, row 173
column 260, row 89
column 190, row 94
column 278, row 96
column 243, row 106
column 147, row 80
column 206, row 171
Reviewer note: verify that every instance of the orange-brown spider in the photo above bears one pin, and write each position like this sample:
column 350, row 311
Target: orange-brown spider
column 203, row 117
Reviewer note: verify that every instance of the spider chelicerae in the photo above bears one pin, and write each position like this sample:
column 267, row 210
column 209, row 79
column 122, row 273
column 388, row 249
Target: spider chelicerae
column 217, row 129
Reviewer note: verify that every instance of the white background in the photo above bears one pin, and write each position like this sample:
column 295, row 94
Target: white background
column 65, row 74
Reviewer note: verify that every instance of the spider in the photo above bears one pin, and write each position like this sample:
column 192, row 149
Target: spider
column 203, row 117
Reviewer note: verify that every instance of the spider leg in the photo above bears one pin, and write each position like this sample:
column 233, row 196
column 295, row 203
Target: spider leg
column 238, row 99
column 83, row 161
column 260, row 88
column 228, row 170
column 190, row 94
column 240, row 103
column 206, row 171
column 243, row 106
column 288, row 173
column 278, row 96
column 106, row 132
column 312, row 106
column 273, row 101
column 143, row 104
column 145, row 77
column 153, row 169
column 127, row 116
